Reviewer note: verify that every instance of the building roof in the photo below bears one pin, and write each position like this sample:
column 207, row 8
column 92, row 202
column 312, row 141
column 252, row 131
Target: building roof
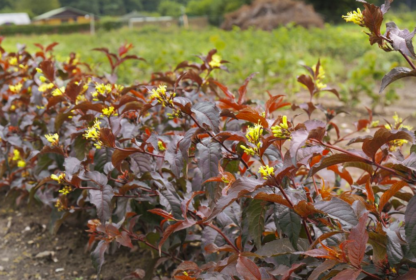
column 57, row 12
column 14, row 18
column 134, row 14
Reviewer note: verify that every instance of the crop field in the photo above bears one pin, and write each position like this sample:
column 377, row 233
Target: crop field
column 275, row 56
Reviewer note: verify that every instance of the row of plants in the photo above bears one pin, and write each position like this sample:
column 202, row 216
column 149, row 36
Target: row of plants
column 209, row 182
column 9, row 30
column 276, row 56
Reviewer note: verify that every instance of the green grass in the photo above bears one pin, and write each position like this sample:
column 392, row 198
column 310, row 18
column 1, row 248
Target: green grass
column 276, row 56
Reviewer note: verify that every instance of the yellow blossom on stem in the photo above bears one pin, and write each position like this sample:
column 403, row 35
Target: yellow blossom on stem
column 53, row 139
column 281, row 130
column 160, row 146
column 43, row 79
column 45, row 87
column 319, row 79
column 93, row 133
column 266, row 171
column 16, row 88
column 39, row 70
column 398, row 124
column 59, row 178
column 215, row 61
column 17, row 157
column 109, row 111
column 58, row 91
column 65, row 190
column 356, row 17
column 253, row 133
column 59, row 205
column 248, row 151
column 13, row 60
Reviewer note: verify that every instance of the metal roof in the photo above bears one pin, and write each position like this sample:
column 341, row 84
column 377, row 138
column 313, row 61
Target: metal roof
column 53, row 13
column 14, row 18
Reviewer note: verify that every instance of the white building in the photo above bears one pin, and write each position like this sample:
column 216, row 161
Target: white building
column 14, row 18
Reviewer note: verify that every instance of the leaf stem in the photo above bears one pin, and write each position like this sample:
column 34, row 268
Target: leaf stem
column 224, row 236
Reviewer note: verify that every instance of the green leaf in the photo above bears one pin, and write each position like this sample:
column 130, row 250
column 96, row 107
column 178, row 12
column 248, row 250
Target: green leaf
column 255, row 216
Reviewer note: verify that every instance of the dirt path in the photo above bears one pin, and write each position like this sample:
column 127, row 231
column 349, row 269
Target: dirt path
column 29, row 251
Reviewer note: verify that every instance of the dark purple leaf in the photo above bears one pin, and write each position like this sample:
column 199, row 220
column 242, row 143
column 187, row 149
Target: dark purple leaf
column 102, row 201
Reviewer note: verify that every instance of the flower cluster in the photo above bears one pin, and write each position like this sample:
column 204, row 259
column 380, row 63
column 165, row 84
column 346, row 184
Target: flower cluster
column 59, row 178
column 281, row 130
column 253, row 135
column 266, row 171
column 398, row 124
column 319, row 79
column 356, row 17
column 58, row 91
column 110, row 111
column 18, row 158
column 16, row 88
column 162, row 97
column 215, row 61
column 53, row 139
column 65, row 190
column 101, row 89
column 60, row 207
column 161, row 146
column 93, row 133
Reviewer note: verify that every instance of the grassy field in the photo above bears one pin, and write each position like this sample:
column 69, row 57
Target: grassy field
column 351, row 63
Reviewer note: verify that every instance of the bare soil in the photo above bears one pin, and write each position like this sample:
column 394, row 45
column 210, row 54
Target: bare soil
column 24, row 235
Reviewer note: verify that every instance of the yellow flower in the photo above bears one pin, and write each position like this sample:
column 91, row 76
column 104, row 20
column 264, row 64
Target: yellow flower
column 160, row 146
column 266, row 171
column 103, row 89
column 215, row 61
column 43, row 79
column 16, row 155
column 281, row 130
column 45, row 87
column 59, row 178
column 356, row 17
column 39, row 70
column 80, row 98
column 16, row 88
column 53, row 139
column 248, row 151
column 13, row 107
column 398, row 124
column 13, row 60
column 93, row 133
column 59, row 205
column 253, row 134
column 66, row 190
column 58, row 92
column 21, row 163
column 160, row 95
column 321, row 75
column 109, row 111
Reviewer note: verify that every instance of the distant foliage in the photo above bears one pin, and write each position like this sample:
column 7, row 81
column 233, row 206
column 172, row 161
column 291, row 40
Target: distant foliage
column 207, row 182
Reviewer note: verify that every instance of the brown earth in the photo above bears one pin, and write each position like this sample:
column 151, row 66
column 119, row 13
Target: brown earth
column 269, row 14
column 24, row 238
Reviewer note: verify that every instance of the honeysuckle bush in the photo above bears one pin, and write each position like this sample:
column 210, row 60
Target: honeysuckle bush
column 210, row 183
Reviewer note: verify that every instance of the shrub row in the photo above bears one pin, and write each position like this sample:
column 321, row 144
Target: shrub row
column 212, row 184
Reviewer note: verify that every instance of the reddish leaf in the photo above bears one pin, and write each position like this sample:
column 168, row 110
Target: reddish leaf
column 274, row 103
column 238, row 189
column 381, row 137
column 308, row 82
column 225, row 90
column 248, row 269
column 358, row 237
column 119, row 155
column 323, row 267
column 411, row 275
column 162, row 213
column 344, row 174
column 243, row 89
column 124, row 239
column 271, row 197
column 52, row 150
column 51, row 46
column 86, row 105
column 347, row 274
column 390, row 193
column 289, row 272
column 252, row 115
column 333, row 160
column 53, row 100
column 48, row 69
column 107, row 137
